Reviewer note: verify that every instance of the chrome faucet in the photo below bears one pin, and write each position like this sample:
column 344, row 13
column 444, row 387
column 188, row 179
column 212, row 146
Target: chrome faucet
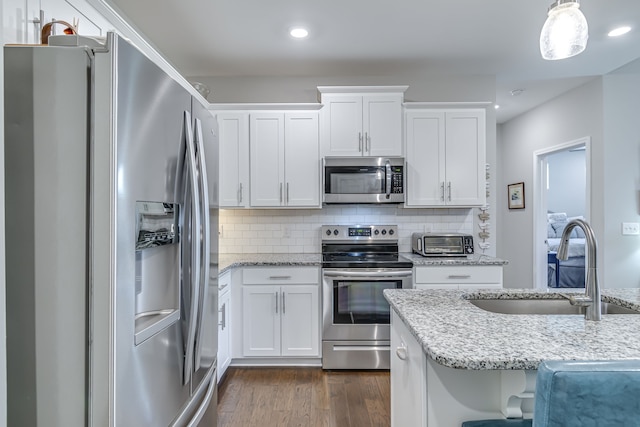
column 591, row 298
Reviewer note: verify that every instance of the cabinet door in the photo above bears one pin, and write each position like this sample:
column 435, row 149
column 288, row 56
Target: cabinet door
column 261, row 320
column 382, row 125
column 465, row 158
column 425, row 139
column 300, row 320
column 302, row 159
column 343, row 125
column 224, row 333
column 234, row 159
column 408, row 377
column 267, row 168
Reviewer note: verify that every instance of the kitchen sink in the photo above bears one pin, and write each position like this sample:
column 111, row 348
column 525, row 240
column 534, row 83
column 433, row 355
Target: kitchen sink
column 543, row 306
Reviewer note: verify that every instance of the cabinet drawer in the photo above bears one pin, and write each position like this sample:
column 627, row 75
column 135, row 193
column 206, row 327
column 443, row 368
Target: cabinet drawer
column 459, row 274
column 280, row 275
column 224, row 283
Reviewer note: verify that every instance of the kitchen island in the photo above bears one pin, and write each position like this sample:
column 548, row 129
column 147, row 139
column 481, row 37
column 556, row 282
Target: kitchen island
column 453, row 361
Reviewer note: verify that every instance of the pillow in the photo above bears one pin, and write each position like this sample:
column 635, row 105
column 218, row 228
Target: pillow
column 551, row 232
column 557, row 217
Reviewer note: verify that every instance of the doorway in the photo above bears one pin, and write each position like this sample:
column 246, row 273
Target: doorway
column 561, row 192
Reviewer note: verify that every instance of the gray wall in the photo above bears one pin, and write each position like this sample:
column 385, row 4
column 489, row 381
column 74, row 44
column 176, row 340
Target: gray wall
column 422, row 87
column 607, row 110
column 567, row 182
column 574, row 115
column 622, row 175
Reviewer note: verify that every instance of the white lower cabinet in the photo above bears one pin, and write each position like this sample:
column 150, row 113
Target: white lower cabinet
column 427, row 394
column 408, row 377
column 224, row 323
column 280, row 312
column 458, row 277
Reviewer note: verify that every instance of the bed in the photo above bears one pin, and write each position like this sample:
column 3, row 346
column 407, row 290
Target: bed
column 569, row 273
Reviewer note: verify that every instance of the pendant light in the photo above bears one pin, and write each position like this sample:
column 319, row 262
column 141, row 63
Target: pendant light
column 565, row 31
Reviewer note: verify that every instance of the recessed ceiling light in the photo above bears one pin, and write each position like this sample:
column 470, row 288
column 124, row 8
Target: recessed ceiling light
column 516, row 92
column 496, row 106
column 299, row 33
column 619, row 31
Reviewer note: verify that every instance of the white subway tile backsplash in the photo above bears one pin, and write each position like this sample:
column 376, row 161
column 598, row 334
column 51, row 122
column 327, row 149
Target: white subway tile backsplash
column 264, row 230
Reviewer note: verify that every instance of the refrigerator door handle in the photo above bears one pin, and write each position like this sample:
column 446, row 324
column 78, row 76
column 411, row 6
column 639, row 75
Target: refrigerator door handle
column 195, row 258
column 205, row 244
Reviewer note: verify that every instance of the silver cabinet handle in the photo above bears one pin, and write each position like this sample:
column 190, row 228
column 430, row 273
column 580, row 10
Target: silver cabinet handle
column 459, row 276
column 401, row 352
column 223, row 311
column 280, row 193
column 240, row 194
column 442, row 191
column 287, row 193
column 279, row 277
column 449, row 190
column 359, row 141
column 367, row 142
column 276, row 302
column 283, row 306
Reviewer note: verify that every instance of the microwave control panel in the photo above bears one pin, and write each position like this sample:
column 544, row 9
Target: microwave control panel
column 397, row 180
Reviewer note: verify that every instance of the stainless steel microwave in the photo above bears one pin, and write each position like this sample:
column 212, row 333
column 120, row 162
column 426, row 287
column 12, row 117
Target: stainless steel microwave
column 364, row 180
column 437, row 245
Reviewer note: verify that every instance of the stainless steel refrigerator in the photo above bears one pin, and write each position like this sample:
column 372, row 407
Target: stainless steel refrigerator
column 111, row 204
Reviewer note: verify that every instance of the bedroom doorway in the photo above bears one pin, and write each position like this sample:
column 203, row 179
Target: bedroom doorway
column 561, row 193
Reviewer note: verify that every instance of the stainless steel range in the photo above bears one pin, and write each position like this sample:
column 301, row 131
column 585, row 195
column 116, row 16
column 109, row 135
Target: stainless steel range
column 358, row 263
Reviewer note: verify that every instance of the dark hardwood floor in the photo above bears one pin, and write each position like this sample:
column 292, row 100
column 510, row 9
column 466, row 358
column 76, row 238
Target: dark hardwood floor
column 303, row 397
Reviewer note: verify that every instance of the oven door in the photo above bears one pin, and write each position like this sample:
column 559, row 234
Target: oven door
column 354, row 307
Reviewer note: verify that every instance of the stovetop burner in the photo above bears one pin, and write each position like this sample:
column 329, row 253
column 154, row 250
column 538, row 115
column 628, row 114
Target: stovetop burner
column 373, row 246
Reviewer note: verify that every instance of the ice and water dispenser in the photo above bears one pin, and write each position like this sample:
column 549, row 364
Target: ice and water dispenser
column 157, row 268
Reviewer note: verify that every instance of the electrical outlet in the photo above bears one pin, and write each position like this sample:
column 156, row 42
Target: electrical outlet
column 286, row 231
column 630, row 228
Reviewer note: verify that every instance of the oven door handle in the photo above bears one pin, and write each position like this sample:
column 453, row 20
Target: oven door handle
column 369, row 274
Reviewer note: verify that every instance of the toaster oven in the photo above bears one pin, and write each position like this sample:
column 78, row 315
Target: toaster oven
column 442, row 245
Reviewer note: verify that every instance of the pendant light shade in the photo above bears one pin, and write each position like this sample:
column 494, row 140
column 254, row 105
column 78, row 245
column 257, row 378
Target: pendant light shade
column 565, row 31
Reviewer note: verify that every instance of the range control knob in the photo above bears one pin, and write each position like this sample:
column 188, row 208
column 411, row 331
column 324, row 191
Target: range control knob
column 391, row 232
column 335, row 232
column 376, row 232
column 384, row 231
column 328, row 232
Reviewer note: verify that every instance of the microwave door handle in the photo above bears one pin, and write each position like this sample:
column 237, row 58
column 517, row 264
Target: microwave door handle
column 388, row 165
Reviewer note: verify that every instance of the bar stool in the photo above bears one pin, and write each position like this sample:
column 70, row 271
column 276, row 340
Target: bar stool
column 582, row 393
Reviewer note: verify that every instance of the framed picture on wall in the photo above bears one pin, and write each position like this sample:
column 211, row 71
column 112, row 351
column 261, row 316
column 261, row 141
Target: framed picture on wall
column 515, row 195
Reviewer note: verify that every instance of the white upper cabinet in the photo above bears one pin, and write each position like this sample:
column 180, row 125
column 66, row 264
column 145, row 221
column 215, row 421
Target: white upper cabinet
column 445, row 157
column 285, row 159
column 362, row 121
column 234, row 159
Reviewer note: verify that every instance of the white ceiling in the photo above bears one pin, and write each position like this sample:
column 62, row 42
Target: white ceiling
column 379, row 37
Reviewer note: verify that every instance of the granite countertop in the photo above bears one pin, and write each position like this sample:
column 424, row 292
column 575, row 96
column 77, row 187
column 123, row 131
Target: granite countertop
column 457, row 334
column 229, row 261
column 419, row 260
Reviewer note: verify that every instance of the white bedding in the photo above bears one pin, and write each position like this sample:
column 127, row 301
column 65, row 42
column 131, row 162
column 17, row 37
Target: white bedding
column 576, row 246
